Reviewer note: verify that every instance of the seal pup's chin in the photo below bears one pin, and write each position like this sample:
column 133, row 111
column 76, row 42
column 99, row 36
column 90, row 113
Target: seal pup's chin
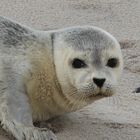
column 100, row 94
column 104, row 94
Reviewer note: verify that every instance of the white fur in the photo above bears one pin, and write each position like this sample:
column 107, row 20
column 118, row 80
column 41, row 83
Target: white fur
column 37, row 81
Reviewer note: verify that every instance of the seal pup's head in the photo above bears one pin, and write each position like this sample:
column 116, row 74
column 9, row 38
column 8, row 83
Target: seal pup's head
column 88, row 62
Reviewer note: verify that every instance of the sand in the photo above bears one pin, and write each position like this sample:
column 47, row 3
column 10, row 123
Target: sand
column 115, row 118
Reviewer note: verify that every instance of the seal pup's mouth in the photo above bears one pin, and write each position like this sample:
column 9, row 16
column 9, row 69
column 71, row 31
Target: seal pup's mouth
column 104, row 94
column 101, row 94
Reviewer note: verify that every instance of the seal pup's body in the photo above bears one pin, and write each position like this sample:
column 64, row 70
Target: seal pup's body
column 45, row 74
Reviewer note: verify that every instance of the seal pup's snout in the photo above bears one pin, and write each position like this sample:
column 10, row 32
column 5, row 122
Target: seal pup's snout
column 99, row 82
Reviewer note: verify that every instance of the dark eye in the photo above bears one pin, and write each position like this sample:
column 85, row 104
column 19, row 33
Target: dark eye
column 112, row 62
column 77, row 63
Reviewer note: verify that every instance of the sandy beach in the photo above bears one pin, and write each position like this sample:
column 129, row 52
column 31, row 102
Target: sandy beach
column 114, row 118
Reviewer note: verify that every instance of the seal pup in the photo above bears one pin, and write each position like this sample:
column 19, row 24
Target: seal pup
column 44, row 74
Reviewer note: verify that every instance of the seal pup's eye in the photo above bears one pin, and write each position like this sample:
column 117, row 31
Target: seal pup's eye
column 77, row 63
column 112, row 62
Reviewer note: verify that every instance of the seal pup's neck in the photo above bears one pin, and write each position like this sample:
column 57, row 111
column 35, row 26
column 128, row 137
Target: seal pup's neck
column 45, row 94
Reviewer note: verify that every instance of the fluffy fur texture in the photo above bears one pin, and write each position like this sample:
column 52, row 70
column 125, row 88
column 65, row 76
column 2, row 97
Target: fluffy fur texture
column 37, row 80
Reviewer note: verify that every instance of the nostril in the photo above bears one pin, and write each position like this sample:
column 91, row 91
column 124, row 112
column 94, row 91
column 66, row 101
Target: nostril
column 99, row 82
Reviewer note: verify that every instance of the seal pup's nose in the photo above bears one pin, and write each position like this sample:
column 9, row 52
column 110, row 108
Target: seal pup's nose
column 99, row 82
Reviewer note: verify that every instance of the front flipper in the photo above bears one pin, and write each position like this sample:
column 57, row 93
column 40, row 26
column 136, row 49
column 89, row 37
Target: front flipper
column 16, row 118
